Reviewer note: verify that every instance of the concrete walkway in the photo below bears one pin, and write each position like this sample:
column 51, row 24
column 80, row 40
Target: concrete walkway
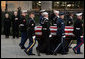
column 10, row 49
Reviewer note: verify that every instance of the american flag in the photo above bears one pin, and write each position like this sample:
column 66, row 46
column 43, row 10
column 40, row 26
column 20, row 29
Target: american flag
column 53, row 30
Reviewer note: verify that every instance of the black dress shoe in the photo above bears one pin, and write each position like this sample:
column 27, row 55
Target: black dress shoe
column 47, row 53
column 17, row 37
column 55, row 53
column 7, row 37
column 13, row 37
column 28, row 53
column 51, row 53
column 64, row 53
column 31, row 54
column 22, row 47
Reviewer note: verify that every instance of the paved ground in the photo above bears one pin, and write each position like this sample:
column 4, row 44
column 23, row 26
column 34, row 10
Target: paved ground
column 10, row 49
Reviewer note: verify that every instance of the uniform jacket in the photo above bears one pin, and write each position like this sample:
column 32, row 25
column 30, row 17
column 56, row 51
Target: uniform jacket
column 23, row 26
column 45, row 23
column 78, row 27
column 30, row 27
column 60, row 27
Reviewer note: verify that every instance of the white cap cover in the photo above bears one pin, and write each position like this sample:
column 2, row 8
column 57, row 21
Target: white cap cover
column 45, row 13
column 56, row 12
column 42, row 10
column 79, row 14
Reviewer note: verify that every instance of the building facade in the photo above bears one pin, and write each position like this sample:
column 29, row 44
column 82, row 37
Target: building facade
column 38, row 5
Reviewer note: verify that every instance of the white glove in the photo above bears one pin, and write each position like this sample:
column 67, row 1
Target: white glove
column 81, row 36
column 21, row 25
column 64, row 36
column 50, row 35
column 34, row 37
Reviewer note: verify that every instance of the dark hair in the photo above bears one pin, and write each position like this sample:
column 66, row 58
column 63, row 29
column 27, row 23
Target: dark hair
column 71, row 13
column 31, row 13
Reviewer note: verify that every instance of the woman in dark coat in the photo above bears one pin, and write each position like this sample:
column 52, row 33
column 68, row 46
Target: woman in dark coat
column 7, row 25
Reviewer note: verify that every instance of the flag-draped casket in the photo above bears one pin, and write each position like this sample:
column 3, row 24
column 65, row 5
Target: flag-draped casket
column 53, row 30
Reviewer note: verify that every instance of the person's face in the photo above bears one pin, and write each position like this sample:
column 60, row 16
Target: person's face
column 54, row 11
column 42, row 14
column 47, row 15
column 79, row 17
column 72, row 15
column 62, row 16
column 56, row 14
column 15, row 13
column 6, row 15
column 24, row 14
column 32, row 15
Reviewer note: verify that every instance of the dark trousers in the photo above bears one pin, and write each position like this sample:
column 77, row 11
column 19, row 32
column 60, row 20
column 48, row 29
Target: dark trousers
column 7, row 31
column 23, row 38
column 61, row 45
column 79, row 43
column 15, row 30
column 45, row 47
column 15, row 33
column 53, row 43
column 32, row 42
column 40, row 42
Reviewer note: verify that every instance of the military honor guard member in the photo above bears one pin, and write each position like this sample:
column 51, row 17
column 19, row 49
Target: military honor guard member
column 41, row 16
column 23, row 29
column 31, row 33
column 78, row 29
column 60, row 34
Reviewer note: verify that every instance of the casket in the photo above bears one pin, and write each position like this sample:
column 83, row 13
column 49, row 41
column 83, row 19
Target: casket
column 53, row 30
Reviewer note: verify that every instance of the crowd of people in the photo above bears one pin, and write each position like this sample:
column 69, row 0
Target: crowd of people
column 26, row 27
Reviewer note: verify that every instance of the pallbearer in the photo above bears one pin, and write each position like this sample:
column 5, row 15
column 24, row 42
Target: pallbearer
column 45, row 47
column 41, row 16
column 54, row 17
column 60, row 34
column 23, row 29
column 31, row 33
column 78, row 27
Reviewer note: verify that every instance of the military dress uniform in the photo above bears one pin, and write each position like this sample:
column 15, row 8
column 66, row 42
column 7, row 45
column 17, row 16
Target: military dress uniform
column 54, row 40
column 45, row 35
column 31, row 33
column 23, row 30
column 7, row 25
column 54, row 18
column 15, row 26
column 78, row 32
column 60, row 33
column 41, row 16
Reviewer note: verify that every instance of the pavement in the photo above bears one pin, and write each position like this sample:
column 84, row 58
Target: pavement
column 10, row 49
